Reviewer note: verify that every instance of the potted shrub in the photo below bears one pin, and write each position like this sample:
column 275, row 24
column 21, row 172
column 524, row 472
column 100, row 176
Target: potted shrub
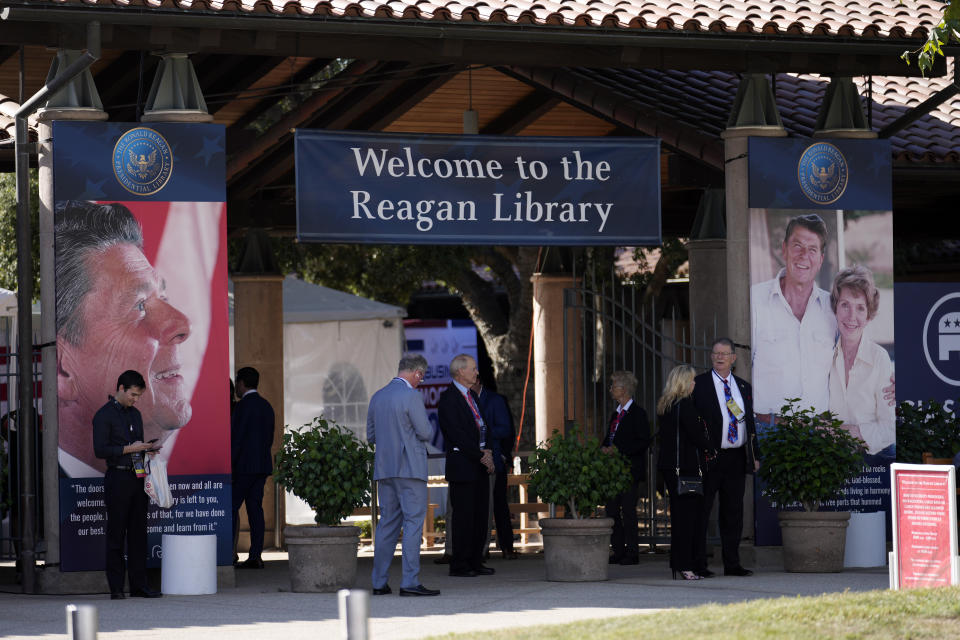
column 568, row 471
column 807, row 458
column 926, row 428
column 330, row 469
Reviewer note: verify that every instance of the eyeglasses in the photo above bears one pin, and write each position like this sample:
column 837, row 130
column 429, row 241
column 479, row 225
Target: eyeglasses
column 721, row 354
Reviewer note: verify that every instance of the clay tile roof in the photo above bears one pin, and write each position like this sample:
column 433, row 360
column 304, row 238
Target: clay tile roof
column 844, row 18
column 701, row 101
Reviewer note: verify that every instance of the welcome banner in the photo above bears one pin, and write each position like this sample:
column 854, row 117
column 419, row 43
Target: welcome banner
column 141, row 277
column 492, row 190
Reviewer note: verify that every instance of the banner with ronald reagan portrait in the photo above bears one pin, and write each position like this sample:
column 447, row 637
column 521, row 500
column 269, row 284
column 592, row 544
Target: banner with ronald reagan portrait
column 141, row 278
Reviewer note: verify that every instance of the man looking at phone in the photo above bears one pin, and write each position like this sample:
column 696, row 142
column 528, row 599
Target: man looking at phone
column 118, row 439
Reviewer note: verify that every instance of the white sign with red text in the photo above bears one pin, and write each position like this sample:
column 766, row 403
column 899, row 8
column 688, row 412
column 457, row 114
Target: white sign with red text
column 924, row 526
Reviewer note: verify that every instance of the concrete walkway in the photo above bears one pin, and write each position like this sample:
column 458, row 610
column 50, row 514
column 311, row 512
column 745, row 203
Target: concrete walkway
column 261, row 607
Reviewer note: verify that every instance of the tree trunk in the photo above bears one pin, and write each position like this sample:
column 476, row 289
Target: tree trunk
column 506, row 336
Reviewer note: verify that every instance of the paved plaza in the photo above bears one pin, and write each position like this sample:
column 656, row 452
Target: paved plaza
column 261, row 606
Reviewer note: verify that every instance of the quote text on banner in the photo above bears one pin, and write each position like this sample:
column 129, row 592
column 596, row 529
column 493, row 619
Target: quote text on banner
column 442, row 189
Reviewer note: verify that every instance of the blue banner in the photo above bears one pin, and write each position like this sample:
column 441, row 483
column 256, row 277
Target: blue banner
column 800, row 173
column 928, row 342
column 140, row 221
column 201, row 506
column 160, row 161
column 442, row 189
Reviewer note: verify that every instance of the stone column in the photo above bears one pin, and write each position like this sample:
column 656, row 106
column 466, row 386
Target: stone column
column 53, row 580
column 258, row 343
column 708, row 289
column 738, row 278
column 548, row 355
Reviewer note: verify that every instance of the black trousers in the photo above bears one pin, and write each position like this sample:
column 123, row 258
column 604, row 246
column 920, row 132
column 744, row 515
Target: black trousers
column 625, row 539
column 501, row 513
column 469, row 501
column 686, row 529
column 726, row 478
column 248, row 489
column 126, row 522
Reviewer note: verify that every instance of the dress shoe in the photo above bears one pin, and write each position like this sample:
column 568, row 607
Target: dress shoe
column 484, row 571
column 250, row 563
column 442, row 560
column 145, row 593
column 706, row 573
column 510, row 555
column 626, row 560
column 117, row 595
column 463, row 573
column 737, row 571
column 382, row 591
column 419, row 590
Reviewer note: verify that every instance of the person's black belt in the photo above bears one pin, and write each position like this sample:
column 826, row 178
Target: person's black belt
column 121, row 467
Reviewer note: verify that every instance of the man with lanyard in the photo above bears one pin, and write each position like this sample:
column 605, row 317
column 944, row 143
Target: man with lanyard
column 118, row 439
column 398, row 427
column 469, row 465
column 726, row 403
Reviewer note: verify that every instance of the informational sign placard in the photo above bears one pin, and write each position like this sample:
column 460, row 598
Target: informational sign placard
column 141, row 276
column 478, row 190
column 924, row 526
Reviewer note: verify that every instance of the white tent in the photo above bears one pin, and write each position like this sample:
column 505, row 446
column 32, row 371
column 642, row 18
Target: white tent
column 338, row 349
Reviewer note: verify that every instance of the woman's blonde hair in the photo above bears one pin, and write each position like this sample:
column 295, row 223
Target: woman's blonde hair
column 677, row 386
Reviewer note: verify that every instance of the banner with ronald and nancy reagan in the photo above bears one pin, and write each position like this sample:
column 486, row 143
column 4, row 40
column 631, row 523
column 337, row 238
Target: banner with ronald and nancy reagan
column 821, row 300
column 141, row 277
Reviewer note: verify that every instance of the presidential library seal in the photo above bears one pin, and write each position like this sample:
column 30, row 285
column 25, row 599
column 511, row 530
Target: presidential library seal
column 822, row 173
column 142, row 161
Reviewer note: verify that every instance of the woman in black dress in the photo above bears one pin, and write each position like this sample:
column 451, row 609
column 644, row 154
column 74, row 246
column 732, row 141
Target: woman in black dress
column 677, row 413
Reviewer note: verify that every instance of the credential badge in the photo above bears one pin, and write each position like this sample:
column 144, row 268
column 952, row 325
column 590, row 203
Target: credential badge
column 822, row 173
column 142, row 161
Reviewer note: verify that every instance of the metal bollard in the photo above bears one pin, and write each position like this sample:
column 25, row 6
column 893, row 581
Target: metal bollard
column 354, row 606
column 81, row 622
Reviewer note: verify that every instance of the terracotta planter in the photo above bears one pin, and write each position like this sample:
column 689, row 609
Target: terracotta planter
column 813, row 541
column 322, row 559
column 576, row 550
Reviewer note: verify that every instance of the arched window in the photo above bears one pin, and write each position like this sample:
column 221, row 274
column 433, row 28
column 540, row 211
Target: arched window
column 345, row 398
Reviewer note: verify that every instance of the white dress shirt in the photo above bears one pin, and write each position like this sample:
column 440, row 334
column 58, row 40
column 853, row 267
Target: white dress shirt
column 791, row 358
column 722, row 399
column 860, row 401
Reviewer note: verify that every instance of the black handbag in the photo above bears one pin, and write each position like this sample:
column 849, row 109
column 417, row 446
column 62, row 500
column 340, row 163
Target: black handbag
column 687, row 485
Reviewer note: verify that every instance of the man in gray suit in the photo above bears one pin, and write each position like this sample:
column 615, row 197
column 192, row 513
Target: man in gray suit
column 397, row 425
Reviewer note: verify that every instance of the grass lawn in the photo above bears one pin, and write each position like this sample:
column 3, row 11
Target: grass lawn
column 917, row 613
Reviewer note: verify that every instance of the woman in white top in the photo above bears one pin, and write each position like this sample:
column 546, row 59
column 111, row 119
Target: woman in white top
column 861, row 368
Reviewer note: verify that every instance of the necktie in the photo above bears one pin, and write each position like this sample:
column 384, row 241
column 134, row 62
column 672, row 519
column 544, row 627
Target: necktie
column 613, row 428
column 732, row 426
column 476, row 418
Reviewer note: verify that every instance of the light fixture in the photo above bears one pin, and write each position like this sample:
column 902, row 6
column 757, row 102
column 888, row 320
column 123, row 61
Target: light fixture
column 471, row 119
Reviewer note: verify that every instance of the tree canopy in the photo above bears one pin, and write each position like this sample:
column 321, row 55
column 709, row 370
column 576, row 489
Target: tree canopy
column 944, row 33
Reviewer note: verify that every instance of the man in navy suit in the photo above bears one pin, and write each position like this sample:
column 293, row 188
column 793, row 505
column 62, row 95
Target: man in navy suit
column 496, row 414
column 469, row 465
column 726, row 404
column 251, row 439
column 398, row 427
column 628, row 433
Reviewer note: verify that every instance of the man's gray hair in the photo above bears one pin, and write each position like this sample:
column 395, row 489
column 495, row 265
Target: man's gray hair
column 81, row 229
column 460, row 362
column 410, row 362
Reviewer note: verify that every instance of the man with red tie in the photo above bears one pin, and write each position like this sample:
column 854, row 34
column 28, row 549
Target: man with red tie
column 628, row 433
column 469, row 465
column 726, row 404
